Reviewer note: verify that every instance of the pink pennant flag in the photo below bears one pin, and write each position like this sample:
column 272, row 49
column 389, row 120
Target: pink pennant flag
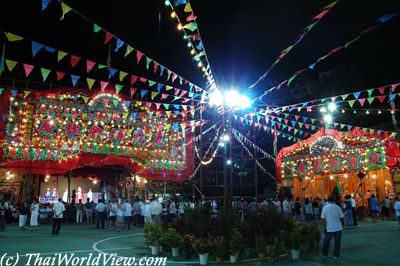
column 176, row 91
column 174, row 76
column 394, row 86
column 158, row 105
column 320, row 15
column 361, row 101
column 155, row 64
column 333, row 98
column 307, row 126
column 133, row 79
column 183, row 92
column 309, row 109
column 195, row 37
column 74, row 60
column 296, row 117
column 103, row 85
column 89, row 65
column 133, row 91
column 60, row 75
column 336, row 49
column 164, row 96
column 185, row 100
column 28, row 69
column 148, row 104
column 191, row 17
column 106, row 102
column 138, row 56
column 382, row 89
column 191, row 107
column 108, row 37
column 142, row 79
column 280, row 84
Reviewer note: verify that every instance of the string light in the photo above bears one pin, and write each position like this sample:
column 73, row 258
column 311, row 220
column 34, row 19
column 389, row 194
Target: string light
column 180, row 27
column 173, row 14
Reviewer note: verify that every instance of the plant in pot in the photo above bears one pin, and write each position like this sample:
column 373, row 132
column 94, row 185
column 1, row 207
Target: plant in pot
column 152, row 236
column 187, row 246
column 202, row 246
column 294, row 240
column 235, row 245
column 174, row 240
column 260, row 245
column 219, row 249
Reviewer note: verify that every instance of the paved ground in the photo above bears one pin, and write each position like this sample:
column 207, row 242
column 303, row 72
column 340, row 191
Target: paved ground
column 367, row 244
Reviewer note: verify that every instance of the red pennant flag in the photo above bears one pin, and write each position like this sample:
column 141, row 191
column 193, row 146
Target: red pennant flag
column 394, row 86
column 191, row 17
column 183, row 92
column 309, row 108
column 361, row 101
column 148, row 105
column 133, row 79
column 336, row 49
column 382, row 90
column 296, row 117
column 60, row 75
column 74, row 60
column 307, row 126
column 164, row 96
column 155, row 64
column 381, row 98
column 320, row 15
column 28, row 69
column 142, row 79
column 103, row 85
column 133, row 91
column 174, row 76
column 138, row 56
column 176, row 91
column 108, row 37
column 89, row 65
column 185, row 100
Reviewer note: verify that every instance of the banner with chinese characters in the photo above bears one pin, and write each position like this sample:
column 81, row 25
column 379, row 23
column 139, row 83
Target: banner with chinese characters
column 376, row 158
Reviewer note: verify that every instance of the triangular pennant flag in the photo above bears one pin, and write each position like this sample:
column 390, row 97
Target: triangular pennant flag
column 166, row 105
column 138, row 56
column 122, row 75
column 168, row 87
column 350, row 42
column 65, row 9
column 96, row 28
column 74, row 79
column 12, row 37
column 351, row 103
column 164, row 96
column 26, row 93
column 128, row 50
column 357, row 94
column 10, row 64
column 153, row 94
column 36, row 48
column 112, row 72
column 191, row 17
column 361, row 101
column 60, row 55
column 344, row 96
column 191, row 26
column 370, row 100
column 330, row 5
column 188, row 8
column 28, row 69
column 118, row 88
column 179, row 2
column 392, row 97
column 108, row 37
column 155, row 67
column 159, row 87
column 103, row 85
column 45, row 73
column 382, row 90
column 148, row 61
column 133, row 91
column 115, row 102
column 381, row 98
column 101, row 66
column 151, row 83
column 85, row 99
column 183, row 92
column 370, row 92
column 133, row 79
column 89, row 65
column 45, row 3
column 143, row 93
column 60, row 75
column 74, row 60
column 90, row 82
column 1, row 91
column 118, row 45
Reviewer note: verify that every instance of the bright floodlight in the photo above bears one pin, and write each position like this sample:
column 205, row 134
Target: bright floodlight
column 245, row 102
column 332, row 106
column 228, row 162
column 328, row 118
column 236, row 100
column 225, row 137
column 323, row 109
column 216, row 98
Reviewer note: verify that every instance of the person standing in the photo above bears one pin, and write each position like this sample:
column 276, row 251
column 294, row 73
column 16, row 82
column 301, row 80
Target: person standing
column 308, row 210
column 181, row 208
column 353, row 210
column 2, row 217
column 172, row 210
column 147, row 213
column 34, row 213
column 374, row 206
column 88, row 211
column 58, row 210
column 120, row 216
column 348, row 210
column 136, row 213
column 23, row 215
column 397, row 208
column 286, row 207
column 101, row 213
column 297, row 210
column 331, row 216
column 79, row 212
column 315, row 206
column 112, row 208
column 156, row 209
column 128, row 214
column 385, row 208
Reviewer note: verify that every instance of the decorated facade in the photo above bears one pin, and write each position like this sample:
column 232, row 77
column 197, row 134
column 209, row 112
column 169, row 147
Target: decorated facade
column 357, row 162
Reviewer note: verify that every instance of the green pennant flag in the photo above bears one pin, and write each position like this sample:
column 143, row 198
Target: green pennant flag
column 45, row 73
column 1, row 91
column 122, row 75
column 330, row 5
column 129, row 49
column 350, row 42
column 166, row 105
column 90, row 82
column 309, row 27
column 60, row 55
column 344, row 96
column 312, row 127
column 96, row 28
column 115, row 102
column 118, row 88
column 370, row 99
column 286, row 115
column 65, row 9
column 151, row 82
column 312, row 120
column 100, row 66
column 148, row 60
column 10, row 64
column 351, row 103
column 295, row 131
column 370, row 92
column 291, row 79
column 300, row 124
column 339, row 188
column 191, row 26
column 168, row 87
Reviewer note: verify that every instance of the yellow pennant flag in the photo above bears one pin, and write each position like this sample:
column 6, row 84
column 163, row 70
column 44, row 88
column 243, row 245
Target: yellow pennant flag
column 10, row 64
column 168, row 113
column 90, row 82
column 129, row 49
column 12, row 37
column 26, row 93
column 85, row 99
column 61, row 55
column 188, row 8
column 153, row 94
column 65, row 9
column 122, row 75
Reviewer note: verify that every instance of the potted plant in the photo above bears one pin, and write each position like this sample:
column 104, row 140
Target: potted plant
column 235, row 245
column 294, row 240
column 219, row 249
column 260, row 245
column 202, row 246
column 152, row 235
column 174, row 240
column 187, row 246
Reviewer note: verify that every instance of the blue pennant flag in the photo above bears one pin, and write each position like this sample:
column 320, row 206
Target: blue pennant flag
column 272, row 123
column 74, row 79
column 386, row 17
column 392, row 97
column 128, row 103
column 175, row 126
column 301, row 132
column 143, row 93
column 161, row 70
column 179, row 2
column 45, row 3
column 304, row 119
column 293, row 123
column 118, row 45
column 14, row 92
column 112, row 72
column 49, row 49
column 159, row 87
column 349, row 127
column 176, row 106
column 200, row 46
column 357, row 94
column 312, row 66
column 36, row 47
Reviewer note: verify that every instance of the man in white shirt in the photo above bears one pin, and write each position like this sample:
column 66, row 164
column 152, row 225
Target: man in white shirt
column 156, row 209
column 353, row 210
column 331, row 216
column 100, row 214
column 128, row 213
column 58, row 210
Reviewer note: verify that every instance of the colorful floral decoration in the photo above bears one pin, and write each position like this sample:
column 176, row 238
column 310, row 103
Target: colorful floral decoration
column 376, row 158
column 318, row 166
column 354, row 161
column 302, row 168
column 288, row 170
column 335, row 164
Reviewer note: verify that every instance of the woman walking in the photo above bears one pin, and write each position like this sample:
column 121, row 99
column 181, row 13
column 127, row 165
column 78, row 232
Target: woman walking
column 34, row 213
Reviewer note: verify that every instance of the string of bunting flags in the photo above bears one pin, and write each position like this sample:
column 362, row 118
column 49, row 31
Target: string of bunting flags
column 312, row 66
column 303, row 33
column 198, row 137
column 118, row 44
column 193, row 38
